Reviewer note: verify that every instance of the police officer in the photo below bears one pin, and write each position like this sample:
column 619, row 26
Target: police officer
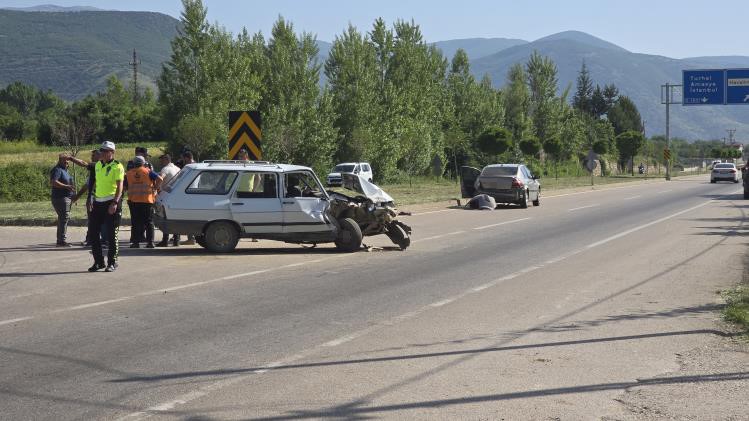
column 107, row 203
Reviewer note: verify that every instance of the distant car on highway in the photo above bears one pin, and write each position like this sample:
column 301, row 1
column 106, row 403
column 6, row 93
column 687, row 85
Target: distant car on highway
column 362, row 169
column 724, row 172
column 506, row 183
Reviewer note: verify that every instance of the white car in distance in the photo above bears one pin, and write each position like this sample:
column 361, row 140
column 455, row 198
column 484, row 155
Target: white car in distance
column 362, row 169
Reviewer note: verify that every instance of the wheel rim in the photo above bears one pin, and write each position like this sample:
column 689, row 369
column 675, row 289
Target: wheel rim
column 221, row 237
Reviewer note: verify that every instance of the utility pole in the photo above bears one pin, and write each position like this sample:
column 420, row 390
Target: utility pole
column 730, row 135
column 667, row 98
column 135, row 63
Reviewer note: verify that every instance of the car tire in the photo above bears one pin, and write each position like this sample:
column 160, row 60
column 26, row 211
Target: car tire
column 537, row 202
column 349, row 235
column 746, row 194
column 200, row 239
column 221, row 237
column 524, row 200
column 398, row 235
column 712, row 181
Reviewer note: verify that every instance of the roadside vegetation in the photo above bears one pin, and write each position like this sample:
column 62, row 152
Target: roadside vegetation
column 737, row 307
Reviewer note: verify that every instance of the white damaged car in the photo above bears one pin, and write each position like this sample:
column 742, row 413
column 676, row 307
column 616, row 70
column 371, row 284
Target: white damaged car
column 221, row 201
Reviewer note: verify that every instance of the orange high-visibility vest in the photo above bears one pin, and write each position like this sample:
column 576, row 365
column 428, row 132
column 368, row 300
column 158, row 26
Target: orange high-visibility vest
column 140, row 187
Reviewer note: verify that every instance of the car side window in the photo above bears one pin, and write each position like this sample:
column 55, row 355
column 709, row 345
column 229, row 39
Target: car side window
column 365, row 167
column 302, row 184
column 257, row 185
column 212, row 182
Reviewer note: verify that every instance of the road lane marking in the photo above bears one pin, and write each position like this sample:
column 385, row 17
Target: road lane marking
column 583, row 207
column 501, row 223
column 632, row 197
column 20, row 319
column 438, row 236
column 665, row 191
column 434, row 211
column 205, row 390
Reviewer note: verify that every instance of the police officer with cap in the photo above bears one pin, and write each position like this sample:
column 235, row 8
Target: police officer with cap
column 107, row 207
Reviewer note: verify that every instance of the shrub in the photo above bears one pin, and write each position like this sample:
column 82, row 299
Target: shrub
column 21, row 182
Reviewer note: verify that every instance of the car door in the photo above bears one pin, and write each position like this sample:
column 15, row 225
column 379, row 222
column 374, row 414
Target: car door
column 304, row 204
column 256, row 203
column 531, row 182
column 468, row 177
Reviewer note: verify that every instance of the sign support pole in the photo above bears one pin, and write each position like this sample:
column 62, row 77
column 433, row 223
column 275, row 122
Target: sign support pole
column 667, row 98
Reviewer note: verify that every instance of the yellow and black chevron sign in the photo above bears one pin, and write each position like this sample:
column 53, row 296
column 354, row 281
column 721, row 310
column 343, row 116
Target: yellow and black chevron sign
column 244, row 132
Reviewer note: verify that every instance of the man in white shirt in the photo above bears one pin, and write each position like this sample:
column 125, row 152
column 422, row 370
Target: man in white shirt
column 168, row 171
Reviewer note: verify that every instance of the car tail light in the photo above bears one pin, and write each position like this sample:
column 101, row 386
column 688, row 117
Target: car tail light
column 733, row 171
column 516, row 183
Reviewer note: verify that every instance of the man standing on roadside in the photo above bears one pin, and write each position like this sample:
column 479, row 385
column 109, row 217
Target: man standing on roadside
column 62, row 197
column 168, row 171
column 187, row 159
column 143, row 152
column 88, row 187
column 110, row 176
column 141, row 187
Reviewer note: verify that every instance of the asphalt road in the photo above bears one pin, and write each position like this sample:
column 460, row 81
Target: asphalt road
column 591, row 306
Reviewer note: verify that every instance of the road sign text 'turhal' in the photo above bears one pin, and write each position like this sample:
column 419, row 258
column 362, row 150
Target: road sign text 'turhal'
column 245, row 133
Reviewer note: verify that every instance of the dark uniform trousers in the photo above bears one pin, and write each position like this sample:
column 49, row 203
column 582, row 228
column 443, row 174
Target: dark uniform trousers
column 141, row 215
column 100, row 216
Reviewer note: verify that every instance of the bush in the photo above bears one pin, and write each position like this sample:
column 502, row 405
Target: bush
column 21, row 182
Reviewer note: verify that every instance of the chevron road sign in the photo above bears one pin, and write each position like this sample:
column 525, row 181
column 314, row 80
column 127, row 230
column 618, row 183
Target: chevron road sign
column 245, row 133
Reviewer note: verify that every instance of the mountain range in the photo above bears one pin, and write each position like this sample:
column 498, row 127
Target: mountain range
column 73, row 50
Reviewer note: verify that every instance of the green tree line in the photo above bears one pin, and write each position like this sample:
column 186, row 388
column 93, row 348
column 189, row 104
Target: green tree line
column 390, row 99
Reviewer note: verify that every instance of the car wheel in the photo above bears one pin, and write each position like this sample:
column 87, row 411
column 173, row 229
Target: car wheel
column 221, row 237
column 349, row 235
column 524, row 200
column 712, row 181
column 398, row 236
column 200, row 239
column 746, row 194
column 537, row 202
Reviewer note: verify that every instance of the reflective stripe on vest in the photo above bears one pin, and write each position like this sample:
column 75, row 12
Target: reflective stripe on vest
column 140, row 187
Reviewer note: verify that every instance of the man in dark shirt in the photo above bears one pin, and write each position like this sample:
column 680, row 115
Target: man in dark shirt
column 62, row 197
column 89, row 187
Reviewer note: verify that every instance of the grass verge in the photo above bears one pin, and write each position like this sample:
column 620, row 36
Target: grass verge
column 737, row 307
column 420, row 191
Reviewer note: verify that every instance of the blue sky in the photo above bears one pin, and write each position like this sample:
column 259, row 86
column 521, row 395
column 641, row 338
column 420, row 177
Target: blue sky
column 673, row 28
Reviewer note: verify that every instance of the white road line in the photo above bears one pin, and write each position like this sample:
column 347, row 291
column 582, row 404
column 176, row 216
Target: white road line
column 435, row 211
column 438, row 236
column 153, row 410
column 501, row 223
column 20, row 319
column 665, row 191
column 632, row 197
column 583, row 207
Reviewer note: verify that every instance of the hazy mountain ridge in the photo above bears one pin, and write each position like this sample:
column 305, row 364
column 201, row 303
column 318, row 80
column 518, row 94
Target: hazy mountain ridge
column 74, row 53
column 638, row 76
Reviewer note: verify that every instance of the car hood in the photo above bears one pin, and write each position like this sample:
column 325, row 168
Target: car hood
column 360, row 185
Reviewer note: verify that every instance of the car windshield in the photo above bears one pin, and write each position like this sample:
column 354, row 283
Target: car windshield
column 343, row 168
column 497, row 171
column 724, row 166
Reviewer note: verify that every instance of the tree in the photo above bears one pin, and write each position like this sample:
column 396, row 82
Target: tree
column 624, row 116
column 629, row 144
column 517, row 101
column 530, row 146
column 582, row 101
column 351, row 70
column 542, row 84
column 495, row 141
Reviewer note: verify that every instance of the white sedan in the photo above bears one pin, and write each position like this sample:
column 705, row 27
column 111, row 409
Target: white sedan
column 724, row 172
